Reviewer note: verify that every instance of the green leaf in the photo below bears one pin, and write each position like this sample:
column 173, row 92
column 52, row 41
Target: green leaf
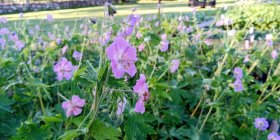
column 137, row 128
column 32, row 131
column 102, row 132
column 5, row 103
column 71, row 134
column 51, row 118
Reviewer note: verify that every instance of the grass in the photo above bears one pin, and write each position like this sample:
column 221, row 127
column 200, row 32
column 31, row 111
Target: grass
column 76, row 16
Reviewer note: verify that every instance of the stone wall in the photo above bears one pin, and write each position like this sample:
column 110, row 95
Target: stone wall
column 16, row 8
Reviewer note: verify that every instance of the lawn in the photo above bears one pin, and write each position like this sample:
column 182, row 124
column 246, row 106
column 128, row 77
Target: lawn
column 69, row 16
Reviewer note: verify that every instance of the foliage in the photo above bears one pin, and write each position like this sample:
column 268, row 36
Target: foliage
column 196, row 101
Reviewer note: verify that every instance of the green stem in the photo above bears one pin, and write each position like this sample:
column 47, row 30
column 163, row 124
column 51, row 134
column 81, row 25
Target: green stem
column 41, row 101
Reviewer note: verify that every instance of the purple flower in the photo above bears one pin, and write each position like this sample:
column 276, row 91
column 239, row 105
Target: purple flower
column 142, row 89
column 132, row 20
column 174, row 65
column 246, row 59
column 238, row 87
column 121, row 106
column 269, row 43
column 141, row 86
column 164, row 45
column 261, row 124
column 186, row 18
column 140, row 105
column 274, row 54
column 2, row 43
column 3, row 20
column 64, row 49
column 4, row 31
column 58, row 41
column 77, row 55
column 157, row 24
column 123, row 57
column 163, row 37
column 189, row 29
column 273, row 136
column 64, row 69
column 238, row 74
column 19, row 45
column 74, row 106
column 51, row 36
column 49, row 18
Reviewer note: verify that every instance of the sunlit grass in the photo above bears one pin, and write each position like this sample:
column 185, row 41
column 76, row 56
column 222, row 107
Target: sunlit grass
column 143, row 8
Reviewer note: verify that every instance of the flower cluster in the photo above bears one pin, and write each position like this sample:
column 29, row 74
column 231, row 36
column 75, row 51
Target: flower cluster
column 164, row 43
column 123, row 58
column 132, row 21
column 238, row 75
column 74, row 106
column 262, row 125
column 224, row 21
column 64, row 69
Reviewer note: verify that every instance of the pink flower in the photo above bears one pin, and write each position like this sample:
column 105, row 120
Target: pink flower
column 64, row 49
column 163, row 37
column 64, row 69
column 140, row 106
column 74, row 106
column 194, row 10
column 208, row 42
column 123, row 57
column 77, row 55
column 174, row 65
column 138, row 35
column 141, row 47
column 186, row 18
column 49, row 18
column 142, row 89
column 274, row 54
column 157, row 24
column 2, row 43
column 19, row 45
column 164, row 45
column 3, row 20
column 246, row 59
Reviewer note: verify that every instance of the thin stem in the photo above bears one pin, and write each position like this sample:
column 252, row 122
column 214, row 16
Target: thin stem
column 41, row 101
